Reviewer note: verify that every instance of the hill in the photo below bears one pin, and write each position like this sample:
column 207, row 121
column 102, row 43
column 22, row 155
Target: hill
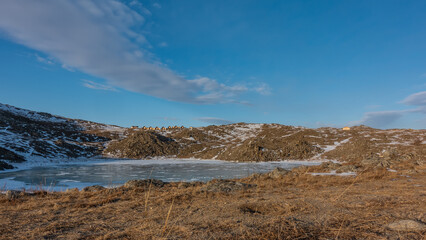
column 41, row 137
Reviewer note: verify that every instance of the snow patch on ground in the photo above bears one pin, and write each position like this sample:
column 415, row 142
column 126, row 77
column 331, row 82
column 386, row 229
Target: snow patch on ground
column 329, row 148
column 45, row 117
column 333, row 173
column 247, row 131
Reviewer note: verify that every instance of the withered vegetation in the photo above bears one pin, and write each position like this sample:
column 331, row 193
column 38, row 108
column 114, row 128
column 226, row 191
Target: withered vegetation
column 279, row 205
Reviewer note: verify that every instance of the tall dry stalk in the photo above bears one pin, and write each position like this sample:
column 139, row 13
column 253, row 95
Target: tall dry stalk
column 168, row 215
column 350, row 185
column 147, row 195
column 340, row 228
column 149, row 191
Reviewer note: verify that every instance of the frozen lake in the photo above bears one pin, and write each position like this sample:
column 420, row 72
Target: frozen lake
column 111, row 173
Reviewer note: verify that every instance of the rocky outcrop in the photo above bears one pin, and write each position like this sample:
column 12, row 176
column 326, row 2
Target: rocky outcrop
column 10, row 156
column 4, row 165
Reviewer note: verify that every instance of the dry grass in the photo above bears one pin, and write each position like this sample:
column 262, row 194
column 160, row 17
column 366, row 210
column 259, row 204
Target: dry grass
column 296, row 206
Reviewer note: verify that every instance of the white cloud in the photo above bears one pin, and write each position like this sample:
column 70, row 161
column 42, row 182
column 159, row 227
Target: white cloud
column 103, row 39
column 215, row 121
column 416, row 99
column 382, row 119
column 97, row 86
column 214, row 92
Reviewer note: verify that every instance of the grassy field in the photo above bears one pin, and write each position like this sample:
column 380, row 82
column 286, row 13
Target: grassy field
column 296, row 205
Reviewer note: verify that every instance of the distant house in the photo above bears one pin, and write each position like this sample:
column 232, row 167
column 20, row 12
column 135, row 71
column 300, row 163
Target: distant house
column 182, row 127
column 150, row 128
column 190, row 128
column 157, row 128
column 134, row 127
column 163, row 129
column 144, row 128
column 169, row 127
column 346, row 128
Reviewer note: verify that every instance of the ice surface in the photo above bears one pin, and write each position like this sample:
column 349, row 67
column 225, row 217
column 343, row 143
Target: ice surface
column 112, row 172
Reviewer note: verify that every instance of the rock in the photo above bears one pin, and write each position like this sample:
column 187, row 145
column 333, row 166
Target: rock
column 330, row 166
column 4, row 165
column 189, row 184
column 346, row 168
column 407, row 225
column 390, row 154
column 94, row 188
column 144, row 183
column 14, row 194
column 376, row 161
column 226, row 186
column 278, row 172
column 11, row 156
column 256, row 176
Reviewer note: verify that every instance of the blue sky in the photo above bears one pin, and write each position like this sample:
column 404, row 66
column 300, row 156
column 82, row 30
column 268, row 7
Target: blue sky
column 195, row 63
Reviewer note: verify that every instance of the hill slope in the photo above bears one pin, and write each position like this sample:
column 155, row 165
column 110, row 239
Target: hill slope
column 39, row 137
column 33, row 136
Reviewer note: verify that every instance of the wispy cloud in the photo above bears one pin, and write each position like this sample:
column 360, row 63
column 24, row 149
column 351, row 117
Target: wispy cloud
column 103, row 39
column 163, row 44
column 382, row 119
column 157, row 5
column 215, row 121
column 44, row 60
column 263, row 89
column 379, row 119
column 98, row 86
column 416, row 99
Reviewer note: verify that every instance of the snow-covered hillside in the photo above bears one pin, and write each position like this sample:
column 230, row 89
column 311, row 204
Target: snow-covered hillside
column 28, row 136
